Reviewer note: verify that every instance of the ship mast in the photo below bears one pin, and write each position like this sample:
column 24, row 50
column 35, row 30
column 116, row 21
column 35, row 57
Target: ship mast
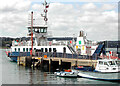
column 40, row 32
column 31, row 33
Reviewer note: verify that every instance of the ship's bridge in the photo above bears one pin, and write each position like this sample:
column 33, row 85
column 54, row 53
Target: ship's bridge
column 37, row 29
column 40, row 33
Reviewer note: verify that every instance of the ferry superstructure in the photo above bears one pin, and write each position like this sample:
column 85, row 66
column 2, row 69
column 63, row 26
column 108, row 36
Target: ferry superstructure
column 79, row 48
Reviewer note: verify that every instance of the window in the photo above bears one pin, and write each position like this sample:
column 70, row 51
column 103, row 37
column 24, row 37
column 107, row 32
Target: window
column 45, row 30
column 117, row 62
column 15, row 50
column 64, row 49
column 39, row 30
column 18, row 49
column 50, row 49
column 34, row 48
column 54, row 49
column 42, row 30
column 29, row 30
column 105, row 63
column 26, row 49
column 30, row 49
column 23, row 49
column 100, row 62
column 111, row 62
column 35, row 29
column 45, row 49
column 42, row 50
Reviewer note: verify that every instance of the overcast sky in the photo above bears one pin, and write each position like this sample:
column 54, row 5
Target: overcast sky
column 98, row 18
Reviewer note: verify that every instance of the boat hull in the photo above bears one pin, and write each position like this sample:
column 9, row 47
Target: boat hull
column 67, row 74
column 100, row 75
column 14, row 58
column 13, row 55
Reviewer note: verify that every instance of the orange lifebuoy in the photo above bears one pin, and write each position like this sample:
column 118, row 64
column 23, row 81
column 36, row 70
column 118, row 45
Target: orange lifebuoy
column 68, row 70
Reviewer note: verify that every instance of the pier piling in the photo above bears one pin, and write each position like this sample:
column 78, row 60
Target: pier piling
column 50, row 63
column 60, row 64
column 28, row 61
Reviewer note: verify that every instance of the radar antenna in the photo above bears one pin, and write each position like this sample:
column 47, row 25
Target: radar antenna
column 46, row 5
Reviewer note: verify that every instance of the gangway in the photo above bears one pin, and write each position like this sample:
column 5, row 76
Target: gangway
column 98, row 50
column 71, row 49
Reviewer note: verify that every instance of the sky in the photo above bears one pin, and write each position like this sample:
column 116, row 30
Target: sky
column 97, row 18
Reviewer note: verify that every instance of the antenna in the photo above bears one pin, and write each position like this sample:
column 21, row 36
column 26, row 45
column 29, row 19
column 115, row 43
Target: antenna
column 46, row 5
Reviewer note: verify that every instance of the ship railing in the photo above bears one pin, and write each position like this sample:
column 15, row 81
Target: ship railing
column 63, row 55
column 19, row 54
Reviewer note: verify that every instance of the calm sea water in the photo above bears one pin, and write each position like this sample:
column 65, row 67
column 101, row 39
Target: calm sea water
column 13, row 74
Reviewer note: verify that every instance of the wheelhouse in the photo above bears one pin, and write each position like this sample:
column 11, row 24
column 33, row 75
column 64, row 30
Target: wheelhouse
column 108, row 65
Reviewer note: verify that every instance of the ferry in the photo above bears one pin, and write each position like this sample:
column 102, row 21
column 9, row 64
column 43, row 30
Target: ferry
column 39, row 45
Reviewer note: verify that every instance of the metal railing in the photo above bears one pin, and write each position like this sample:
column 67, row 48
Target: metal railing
column 54, row 54
column 64, row 55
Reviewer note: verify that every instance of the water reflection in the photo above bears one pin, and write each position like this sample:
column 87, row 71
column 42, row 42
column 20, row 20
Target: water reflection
column 45, row 77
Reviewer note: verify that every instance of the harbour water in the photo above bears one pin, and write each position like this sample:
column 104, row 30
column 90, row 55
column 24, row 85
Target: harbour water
column 14, row 74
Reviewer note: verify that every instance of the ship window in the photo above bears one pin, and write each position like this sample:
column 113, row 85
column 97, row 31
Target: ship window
column 100, row 62
column 42, row 49
column 111, row 62
column 45, row 49
column 117, row 62
column 50, row 49
column 39, row 30
column 23, row 49
column 30, row 49
column 26, row 49
column 45, row 30
column 42, row 31
column 35, row 29
column 15, row 49
column 18, row 49
column 29, row 30
column 54, row 49
column 105, row 63
column 64, row 49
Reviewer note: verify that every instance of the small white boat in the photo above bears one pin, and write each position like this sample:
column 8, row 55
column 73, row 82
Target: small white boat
column 71, row 74
column 106, row 69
